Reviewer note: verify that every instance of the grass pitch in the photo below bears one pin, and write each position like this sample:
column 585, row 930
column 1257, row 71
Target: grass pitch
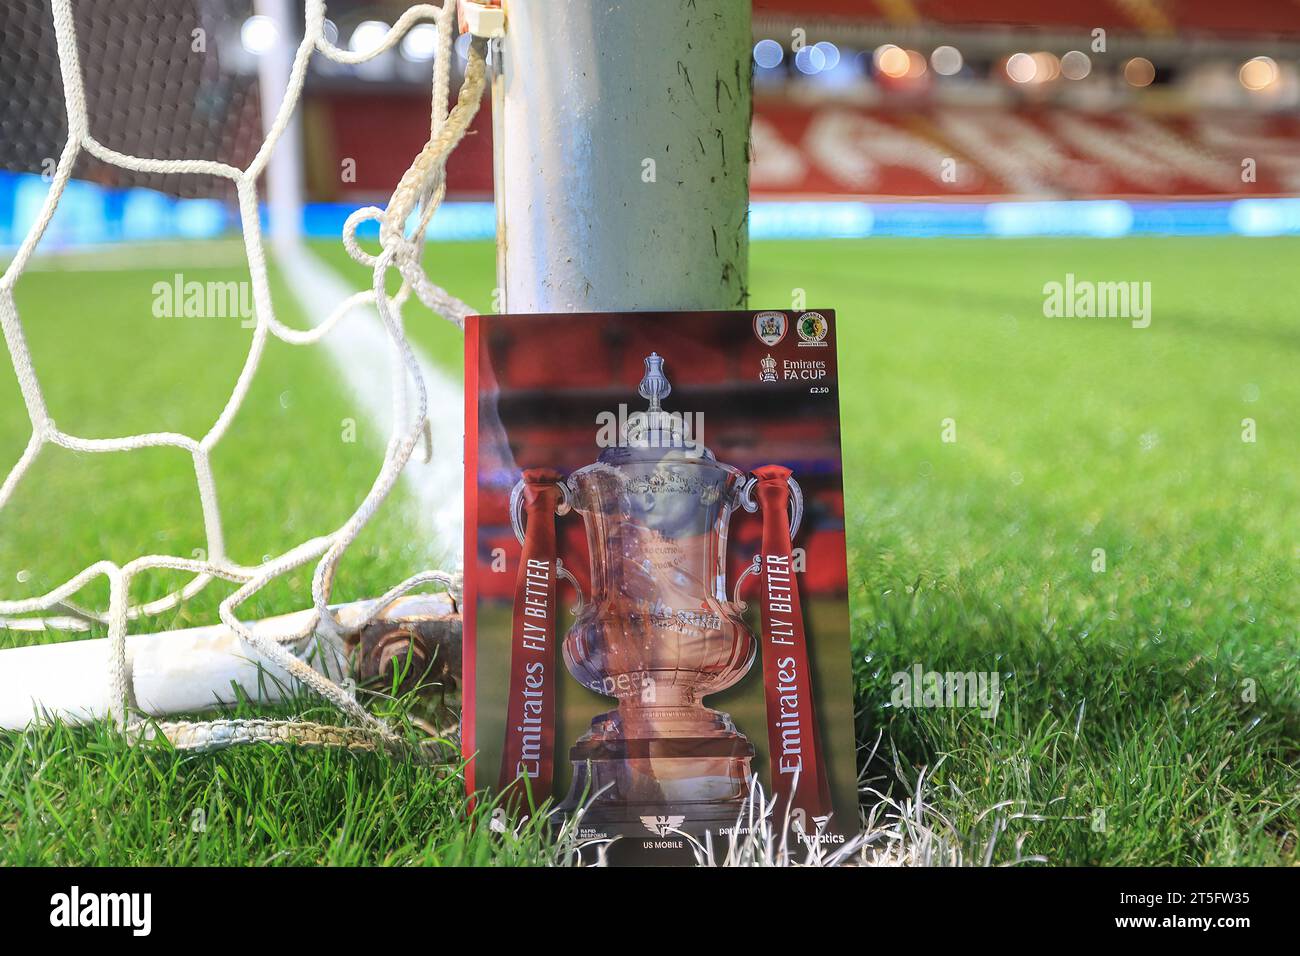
column 1099, row 535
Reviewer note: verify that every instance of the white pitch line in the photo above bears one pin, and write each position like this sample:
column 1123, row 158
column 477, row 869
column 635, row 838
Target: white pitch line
column 133, row 256
column 362, row 352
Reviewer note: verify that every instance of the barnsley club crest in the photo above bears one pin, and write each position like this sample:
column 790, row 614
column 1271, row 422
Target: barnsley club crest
column 770, row 327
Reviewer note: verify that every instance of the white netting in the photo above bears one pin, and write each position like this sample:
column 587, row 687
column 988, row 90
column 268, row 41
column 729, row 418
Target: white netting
column 416, row 198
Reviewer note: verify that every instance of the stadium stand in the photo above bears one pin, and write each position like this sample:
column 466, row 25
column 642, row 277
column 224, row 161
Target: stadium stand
column 1243, row 18
column 830, row 125
column 839, row 149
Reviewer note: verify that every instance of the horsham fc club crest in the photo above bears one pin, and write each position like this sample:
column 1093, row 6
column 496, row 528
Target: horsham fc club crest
column 812, row 327
column 770, row 327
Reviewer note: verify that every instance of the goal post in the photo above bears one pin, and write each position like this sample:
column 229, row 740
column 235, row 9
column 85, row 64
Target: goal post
column 199, row 668
column 622, row 170
column 622, row 151
column 284, row 170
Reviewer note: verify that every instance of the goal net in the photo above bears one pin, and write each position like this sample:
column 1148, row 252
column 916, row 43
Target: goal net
column 111, row 92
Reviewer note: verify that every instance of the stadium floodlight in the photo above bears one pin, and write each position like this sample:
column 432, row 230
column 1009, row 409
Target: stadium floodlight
column 367, row 36
column 946, row 60
column 1075, row 65
column 1021, row 68
column 1139, row 72
column 809, row 60
column 916, row 65
column 892, row 61
column 1258, row 73
column 830, row 54
column 768, row 54
column 1047, row 67
column 420, row 43
column 258, row 34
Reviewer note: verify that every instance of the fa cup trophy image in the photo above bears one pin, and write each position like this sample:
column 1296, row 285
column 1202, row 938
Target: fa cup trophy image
column 659, row 631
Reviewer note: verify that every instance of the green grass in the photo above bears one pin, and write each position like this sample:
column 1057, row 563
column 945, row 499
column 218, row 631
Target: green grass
column 1151, row 712
column 110, row 368
column 1073, row 435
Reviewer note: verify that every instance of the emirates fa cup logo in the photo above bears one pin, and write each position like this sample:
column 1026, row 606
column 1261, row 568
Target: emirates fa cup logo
column 769, row 370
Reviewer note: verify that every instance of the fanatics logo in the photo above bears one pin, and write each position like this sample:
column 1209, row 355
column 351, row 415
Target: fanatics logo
column 770, row 327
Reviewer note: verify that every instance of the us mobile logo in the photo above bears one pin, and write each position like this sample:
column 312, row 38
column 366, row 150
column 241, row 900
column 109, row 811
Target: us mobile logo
column 662, row 826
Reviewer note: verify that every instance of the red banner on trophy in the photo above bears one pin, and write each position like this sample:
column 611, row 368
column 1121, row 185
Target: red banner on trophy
column 656, row 620
column 529, row 758
column 798, row 775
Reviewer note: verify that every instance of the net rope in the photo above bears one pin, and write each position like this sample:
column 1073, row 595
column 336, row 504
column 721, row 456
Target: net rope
column 402, row 230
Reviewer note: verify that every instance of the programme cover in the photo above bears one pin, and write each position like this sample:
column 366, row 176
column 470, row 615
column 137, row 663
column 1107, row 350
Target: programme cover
column 655, row 607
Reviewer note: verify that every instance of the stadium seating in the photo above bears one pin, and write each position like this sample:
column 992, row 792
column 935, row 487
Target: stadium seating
column 1240, row 18
column 840, row 150
column 834, row 149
